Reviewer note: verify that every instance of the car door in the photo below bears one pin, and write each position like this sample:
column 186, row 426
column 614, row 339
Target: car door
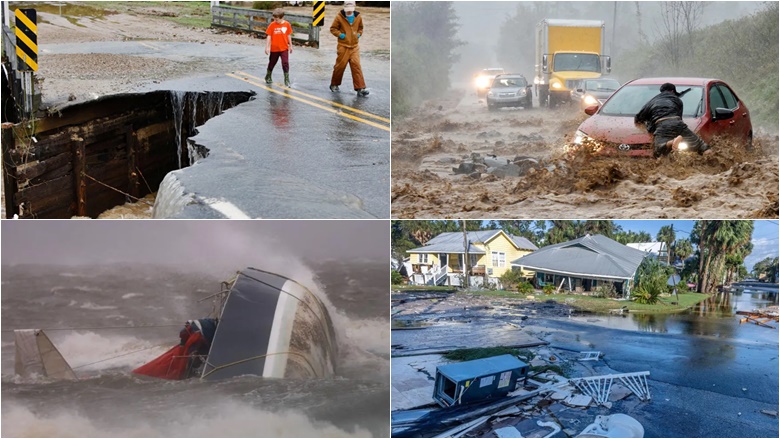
column 718, row 127
column 741, row 114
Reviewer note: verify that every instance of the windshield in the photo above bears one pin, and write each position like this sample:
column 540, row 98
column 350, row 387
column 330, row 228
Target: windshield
column 576, row 62
column 509, row 82
column 602, row 85
column 630, row 99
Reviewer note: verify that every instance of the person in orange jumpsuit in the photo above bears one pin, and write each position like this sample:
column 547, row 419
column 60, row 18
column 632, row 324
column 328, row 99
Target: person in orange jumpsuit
column 278, row 45
column 348, row 28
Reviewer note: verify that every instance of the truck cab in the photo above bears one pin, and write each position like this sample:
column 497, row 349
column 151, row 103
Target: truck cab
column 567, row 51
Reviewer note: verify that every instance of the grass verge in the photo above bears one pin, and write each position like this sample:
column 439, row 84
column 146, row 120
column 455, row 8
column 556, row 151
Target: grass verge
column 599, row 305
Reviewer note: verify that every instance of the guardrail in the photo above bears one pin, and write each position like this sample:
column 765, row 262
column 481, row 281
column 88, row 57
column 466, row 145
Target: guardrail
column 256, row 21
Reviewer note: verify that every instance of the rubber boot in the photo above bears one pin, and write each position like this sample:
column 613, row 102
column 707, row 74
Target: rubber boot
column 286, row 79
column 268, row 79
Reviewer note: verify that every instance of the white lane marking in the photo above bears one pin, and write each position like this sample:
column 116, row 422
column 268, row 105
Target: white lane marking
column 228, row 209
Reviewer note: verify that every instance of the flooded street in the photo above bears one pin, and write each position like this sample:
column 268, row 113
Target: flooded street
column 443, row 132
column 709, row 374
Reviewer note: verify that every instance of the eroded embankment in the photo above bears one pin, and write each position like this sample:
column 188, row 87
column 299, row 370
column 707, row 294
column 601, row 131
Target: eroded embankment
column 92, row 156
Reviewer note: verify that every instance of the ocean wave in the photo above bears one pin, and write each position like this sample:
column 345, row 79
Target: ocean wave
column 92, row 306
column 224, row 419
column 131, row 295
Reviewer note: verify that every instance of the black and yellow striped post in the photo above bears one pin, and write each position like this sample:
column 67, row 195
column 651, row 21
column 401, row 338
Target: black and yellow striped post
column 27, row 39
column 318, row 14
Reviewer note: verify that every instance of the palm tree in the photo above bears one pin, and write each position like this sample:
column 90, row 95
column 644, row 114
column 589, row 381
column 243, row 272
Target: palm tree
column 683, row 249
column 717, row 241
column 666, row 235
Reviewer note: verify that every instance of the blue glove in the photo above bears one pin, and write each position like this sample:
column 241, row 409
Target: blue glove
column 358, row 36
column 342, row 36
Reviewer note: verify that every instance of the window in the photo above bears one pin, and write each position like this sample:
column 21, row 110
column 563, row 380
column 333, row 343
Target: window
column 423, row 258
column 716, row 100
column 728, row 95
column 474, row 259
column 499, row 259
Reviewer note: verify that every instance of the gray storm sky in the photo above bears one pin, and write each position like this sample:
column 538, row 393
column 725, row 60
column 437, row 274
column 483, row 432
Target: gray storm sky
column 198, row 243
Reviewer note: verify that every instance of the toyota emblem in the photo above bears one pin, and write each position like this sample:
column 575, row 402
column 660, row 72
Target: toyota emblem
column 624, row 147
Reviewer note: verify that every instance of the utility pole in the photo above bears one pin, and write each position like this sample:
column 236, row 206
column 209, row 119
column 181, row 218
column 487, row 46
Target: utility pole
column 669, row 250
column 614, row 29
column 465, row 256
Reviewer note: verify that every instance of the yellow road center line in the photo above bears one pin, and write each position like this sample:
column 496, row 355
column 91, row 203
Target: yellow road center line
column 313, row 104
column 28, row 42
column 21, row 54
column 335, row 104
column 27, row 22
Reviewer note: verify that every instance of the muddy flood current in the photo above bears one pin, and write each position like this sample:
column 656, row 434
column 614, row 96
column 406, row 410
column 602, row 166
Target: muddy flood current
column 730, row 182
column 107, row 320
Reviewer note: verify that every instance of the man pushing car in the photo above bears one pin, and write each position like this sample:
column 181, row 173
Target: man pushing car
column 662, row 117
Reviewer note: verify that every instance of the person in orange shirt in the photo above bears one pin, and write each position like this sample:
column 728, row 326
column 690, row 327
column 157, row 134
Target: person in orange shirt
column 278, row 44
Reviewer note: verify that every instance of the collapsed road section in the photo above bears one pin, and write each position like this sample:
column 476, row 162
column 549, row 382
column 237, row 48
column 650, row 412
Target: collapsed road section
column 92, row 156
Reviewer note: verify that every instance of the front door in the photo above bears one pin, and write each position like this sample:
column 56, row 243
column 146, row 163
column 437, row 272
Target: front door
column 443, row 259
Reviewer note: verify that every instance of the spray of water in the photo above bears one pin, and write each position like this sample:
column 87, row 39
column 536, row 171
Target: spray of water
column 224, row 419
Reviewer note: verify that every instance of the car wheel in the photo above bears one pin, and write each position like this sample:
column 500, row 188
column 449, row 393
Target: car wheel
column 749, row 145
column 491, row 107
column 529, row 103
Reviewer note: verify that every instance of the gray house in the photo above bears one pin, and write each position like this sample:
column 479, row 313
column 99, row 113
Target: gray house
column 583, row 264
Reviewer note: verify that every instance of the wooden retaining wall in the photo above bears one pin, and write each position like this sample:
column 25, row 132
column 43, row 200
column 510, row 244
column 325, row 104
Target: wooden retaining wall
column 97, row 155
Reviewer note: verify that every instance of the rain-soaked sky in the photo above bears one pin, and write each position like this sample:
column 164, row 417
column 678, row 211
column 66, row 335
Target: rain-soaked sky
column 193, row 243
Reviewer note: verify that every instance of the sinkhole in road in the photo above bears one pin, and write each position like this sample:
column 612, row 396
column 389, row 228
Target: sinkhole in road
column 89, row 157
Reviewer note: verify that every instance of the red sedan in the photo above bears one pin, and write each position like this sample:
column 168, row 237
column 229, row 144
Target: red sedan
column 711, row 109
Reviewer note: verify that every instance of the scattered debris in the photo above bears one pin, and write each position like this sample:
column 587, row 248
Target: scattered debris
column 618, row 425
column 772, row 413
column 599, row 387
column 556, row 428
column 508, row 432
column 578, row 400
column 590, row 356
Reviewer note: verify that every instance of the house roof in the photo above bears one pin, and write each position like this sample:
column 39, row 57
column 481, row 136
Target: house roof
column 596, row 256
column 468, row 370
column 652, row 247
column 452, row 242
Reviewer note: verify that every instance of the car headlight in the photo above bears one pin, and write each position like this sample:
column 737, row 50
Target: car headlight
column 590, row 100
column 521, row 93
column 682, row 146
column 482, row 81
column 579, row 137
column 490, row 94
column 556, row 85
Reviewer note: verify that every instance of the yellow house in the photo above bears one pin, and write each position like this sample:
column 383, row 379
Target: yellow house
column 440, row 260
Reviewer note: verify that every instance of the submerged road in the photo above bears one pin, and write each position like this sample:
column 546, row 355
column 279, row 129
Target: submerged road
column 302, row 152
column 712, row 381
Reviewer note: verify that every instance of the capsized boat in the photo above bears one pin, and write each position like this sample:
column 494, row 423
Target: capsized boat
column 268, row 325
column 35, row 354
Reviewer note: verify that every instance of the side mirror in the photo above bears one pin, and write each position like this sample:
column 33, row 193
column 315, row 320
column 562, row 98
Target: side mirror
column 723, row 113
column 590, row 111
column 579, row 90
column 544, row 64
column 608, row 64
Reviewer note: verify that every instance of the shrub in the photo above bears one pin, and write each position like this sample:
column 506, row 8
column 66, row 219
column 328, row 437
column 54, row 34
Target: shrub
column 267, row 6
column 682, row 287
column 548, row 289
column 525, row 288
column 511, row 277
column 645, row 296
column 606, row 290
column 396, row 278
column 477, row 353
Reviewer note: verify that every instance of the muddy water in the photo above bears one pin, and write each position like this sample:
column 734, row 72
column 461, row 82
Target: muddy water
column 730, row 182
